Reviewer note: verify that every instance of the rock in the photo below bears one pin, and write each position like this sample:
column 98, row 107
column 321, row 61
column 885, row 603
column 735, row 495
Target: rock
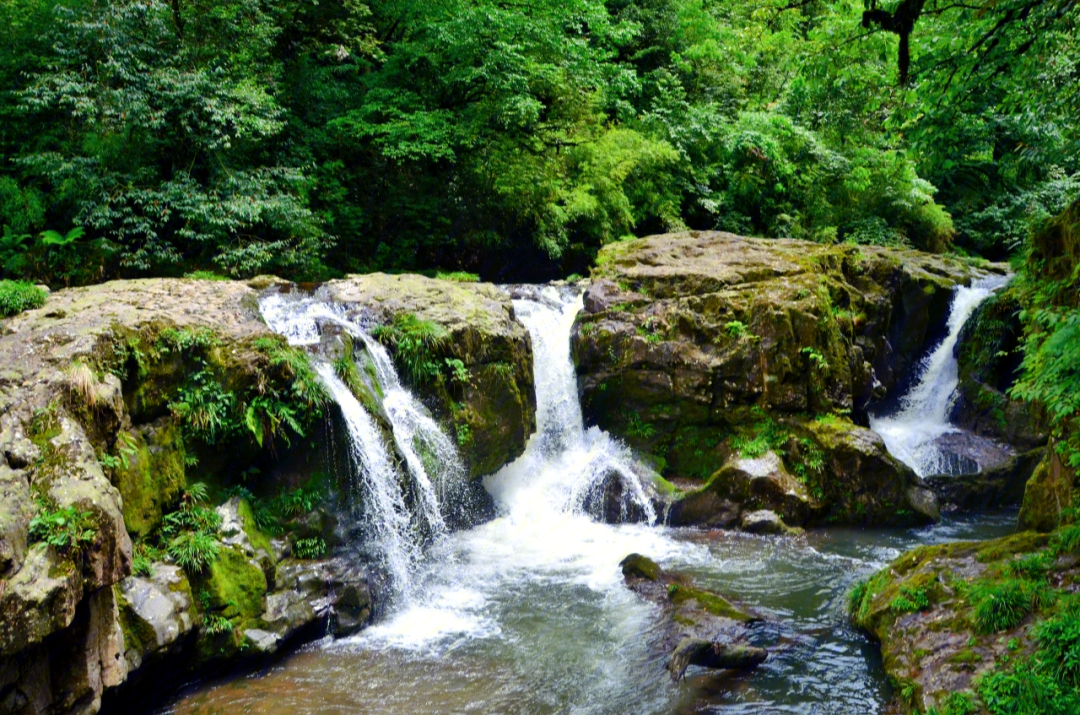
column 710, row 654
column 692, row 621
column 638, row 566
column 261, row 641
column 494, row 411
column 607, row 501
column 155, row 613
column 764, row 522
column 746, row 484
column 989, row 354
column 921, row 610
column 847, row 477
column 688, row 338
column 994, row 488
column 1050, row 490
column 861, row 482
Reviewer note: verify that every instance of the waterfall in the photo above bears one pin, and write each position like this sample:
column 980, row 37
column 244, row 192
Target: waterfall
column 565, row 467
column 399, row 527
column 913, row 432
column 388, row 518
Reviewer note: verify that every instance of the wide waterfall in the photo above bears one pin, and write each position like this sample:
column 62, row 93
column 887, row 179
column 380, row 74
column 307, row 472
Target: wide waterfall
column 528, row 613
column 913, row 433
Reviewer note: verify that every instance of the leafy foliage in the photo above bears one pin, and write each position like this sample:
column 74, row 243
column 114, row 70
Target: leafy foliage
column 415, row 343
column 68, row 530
column 17, row 296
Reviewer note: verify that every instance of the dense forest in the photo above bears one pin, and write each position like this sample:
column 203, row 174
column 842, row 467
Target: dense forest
column 313, row 138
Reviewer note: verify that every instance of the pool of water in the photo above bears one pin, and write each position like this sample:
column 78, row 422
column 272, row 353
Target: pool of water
column 533, row 618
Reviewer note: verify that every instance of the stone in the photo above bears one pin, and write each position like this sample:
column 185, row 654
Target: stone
column 1050, row 490
column 763, row 522
column 994, row 488
column 687, row 338
column 711, row 654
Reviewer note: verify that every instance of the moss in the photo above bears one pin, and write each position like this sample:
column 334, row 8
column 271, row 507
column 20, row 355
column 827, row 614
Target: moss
column 139, row 635
column 681, row 594
column 258, row 539
column 149, row 476
column 638, row 566
column 966, row 656
column 234, row 586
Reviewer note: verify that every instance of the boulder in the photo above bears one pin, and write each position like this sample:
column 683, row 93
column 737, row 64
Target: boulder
column 1050, row 490
column 935, row 612
column 687, row 338
column 764, row 521
column 997, row 487
column 697, row 626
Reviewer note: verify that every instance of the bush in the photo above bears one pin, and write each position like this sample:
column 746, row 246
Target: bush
column 17, row 296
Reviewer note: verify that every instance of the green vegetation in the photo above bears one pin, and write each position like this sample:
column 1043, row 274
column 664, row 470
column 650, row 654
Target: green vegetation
column 486, row 138
column 190, row 533
column 68, row 530
column 415, row 343
column 313, row 548
column 17, row 296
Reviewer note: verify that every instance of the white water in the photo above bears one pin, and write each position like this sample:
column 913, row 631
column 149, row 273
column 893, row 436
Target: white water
column 911, row 433
column 399, row 532
column 542, row 535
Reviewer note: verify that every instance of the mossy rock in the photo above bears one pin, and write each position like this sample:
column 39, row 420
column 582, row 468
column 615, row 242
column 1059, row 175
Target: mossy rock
column 235, row 586
column 638, row 566
column 1051, row 489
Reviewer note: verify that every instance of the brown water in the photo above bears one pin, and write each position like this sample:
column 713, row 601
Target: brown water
column 512, row 626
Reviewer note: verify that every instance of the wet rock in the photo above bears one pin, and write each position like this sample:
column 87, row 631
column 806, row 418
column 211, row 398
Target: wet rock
column 764, row 522
column 609, row 501
column 493, row 412
column 710, row 654
column 751, row 484
column 698, row 626
column 999, row 486
column 155, row 613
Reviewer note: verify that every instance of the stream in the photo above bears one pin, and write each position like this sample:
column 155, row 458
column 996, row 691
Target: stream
column 527, row 613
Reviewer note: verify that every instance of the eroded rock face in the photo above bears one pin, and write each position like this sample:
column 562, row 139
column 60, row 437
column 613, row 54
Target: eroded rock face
column 492, row 413
column 688, row 339
column 924, row 609
column 88, row 379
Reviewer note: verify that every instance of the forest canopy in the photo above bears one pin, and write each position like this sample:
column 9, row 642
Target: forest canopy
column 310, row 138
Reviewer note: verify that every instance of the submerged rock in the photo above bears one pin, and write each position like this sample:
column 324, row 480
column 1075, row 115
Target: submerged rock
column 698, row 626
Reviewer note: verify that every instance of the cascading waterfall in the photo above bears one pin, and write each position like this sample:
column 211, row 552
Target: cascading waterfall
column 564, row 465
column 913, row 432
column 433, row 465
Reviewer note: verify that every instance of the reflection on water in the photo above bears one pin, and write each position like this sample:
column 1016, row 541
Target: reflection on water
column 508, row 626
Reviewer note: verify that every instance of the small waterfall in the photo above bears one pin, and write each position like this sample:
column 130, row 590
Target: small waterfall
column 913, row 433
column 403, row 512
column 565, row 467
column 388, row 517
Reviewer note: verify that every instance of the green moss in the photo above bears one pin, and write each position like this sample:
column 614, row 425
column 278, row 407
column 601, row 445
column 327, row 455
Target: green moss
column 235, row 586
column 966, row 656
column 638, row 566
column 716, row 605
column 258, row 539
column 139, row 635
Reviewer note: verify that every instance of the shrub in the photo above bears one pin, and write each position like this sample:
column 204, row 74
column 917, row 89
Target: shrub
column 17, row 296
column 414, row 342
column 193, row 551
column 1001, row 605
